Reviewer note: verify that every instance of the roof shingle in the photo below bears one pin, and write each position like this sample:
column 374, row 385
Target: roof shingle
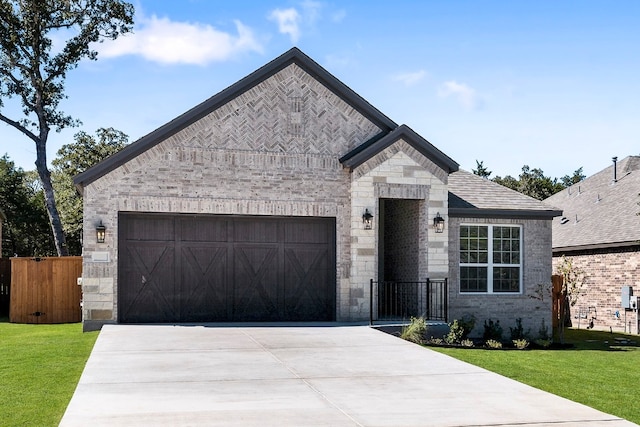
column 471, row 195
column 599, row 212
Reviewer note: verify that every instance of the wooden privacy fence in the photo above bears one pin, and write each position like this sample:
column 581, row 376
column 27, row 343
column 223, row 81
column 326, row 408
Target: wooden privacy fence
column 45, row 290
column 559, row 300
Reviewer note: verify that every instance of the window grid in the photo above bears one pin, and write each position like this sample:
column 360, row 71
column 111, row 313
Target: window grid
column 499, row 273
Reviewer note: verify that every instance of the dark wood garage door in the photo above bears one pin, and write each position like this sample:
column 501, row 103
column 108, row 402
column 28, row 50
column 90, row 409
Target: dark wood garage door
column 197, row 268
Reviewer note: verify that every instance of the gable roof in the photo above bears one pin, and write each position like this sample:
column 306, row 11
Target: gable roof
column 473, row 196
column 375, row 145
column 599, row 212
column 292, row 56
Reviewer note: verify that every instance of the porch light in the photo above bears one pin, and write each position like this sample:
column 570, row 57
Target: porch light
column 438, row 223
column 101, row 231
column 367, row 219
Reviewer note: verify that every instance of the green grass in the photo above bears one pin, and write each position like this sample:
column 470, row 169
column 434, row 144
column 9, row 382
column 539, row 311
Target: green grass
column 40, row 366
column 592, row 373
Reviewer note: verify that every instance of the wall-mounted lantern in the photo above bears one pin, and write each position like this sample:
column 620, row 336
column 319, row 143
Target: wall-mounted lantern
column 367, row 219
column 101, row 231
column 438, row 223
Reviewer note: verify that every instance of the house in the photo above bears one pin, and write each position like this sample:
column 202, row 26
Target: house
column 599, row 233
column 287, row 196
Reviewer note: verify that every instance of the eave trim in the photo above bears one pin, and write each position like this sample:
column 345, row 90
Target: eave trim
column 503, row 213
column 375, row 145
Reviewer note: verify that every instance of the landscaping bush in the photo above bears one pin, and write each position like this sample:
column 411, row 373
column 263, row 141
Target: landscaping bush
column 520, row 344
column 415, row 331
column 518, row 333
column 495, row 344
column 543, row 332
column 492, row 331
column 542, row 343
column 459, row 329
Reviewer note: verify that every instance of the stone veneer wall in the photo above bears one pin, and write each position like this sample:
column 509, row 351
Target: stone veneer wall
column 605, row 272
column 398, row 172
column 273, row 150
column 506, row 308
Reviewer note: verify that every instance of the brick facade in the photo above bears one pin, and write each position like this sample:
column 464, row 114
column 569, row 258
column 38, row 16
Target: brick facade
column 276, row 149
column 605, row 271
column 536, row 259
column 227, row 164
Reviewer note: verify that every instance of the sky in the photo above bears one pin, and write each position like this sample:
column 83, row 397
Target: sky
column 550, row 84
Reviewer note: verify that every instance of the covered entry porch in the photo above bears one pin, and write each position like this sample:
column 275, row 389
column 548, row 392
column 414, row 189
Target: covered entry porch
column 400, row 291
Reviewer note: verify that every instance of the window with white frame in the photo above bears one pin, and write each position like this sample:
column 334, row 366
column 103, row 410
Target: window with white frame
column 490, row 258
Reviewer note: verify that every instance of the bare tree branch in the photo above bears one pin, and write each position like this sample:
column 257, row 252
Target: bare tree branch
column 19, row 127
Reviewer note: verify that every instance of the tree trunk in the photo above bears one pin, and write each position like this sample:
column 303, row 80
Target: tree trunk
column 49, row 198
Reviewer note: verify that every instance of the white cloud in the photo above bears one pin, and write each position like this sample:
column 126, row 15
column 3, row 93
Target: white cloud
column 169, row 42
column 410, row 79
column 311, row 11
column 288, row 21
column 465, row 95
column 303, row 18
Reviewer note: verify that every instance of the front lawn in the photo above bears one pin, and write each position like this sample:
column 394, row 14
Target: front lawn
column 596, row 371
column 40, row 366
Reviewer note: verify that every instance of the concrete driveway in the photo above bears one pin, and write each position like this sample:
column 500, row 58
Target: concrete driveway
column 299, row 375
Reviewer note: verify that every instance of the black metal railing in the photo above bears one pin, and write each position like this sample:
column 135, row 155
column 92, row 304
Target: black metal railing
column 392, row 300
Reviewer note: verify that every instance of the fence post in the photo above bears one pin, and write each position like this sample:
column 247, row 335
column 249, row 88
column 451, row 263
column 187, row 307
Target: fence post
column 370, row 302
column 445, row 294
column 428, row 298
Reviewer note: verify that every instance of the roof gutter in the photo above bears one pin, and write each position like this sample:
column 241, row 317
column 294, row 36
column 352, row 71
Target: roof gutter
column 503, row 213
column 563, row 249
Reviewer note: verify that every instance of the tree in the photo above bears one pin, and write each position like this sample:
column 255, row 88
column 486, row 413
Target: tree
column 533, row 183
column 569, row 180
column 26, row 217
column 71, row 160
column 572, row 281
column 481, row 170
column 31, row 72
column 508, row 181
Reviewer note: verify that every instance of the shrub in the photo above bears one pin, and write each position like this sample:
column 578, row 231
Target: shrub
column 459, row 329
column 494, row 344
column 543, row 332
column 415, row 331
column 517, row 333
column 436, row 341
column 520, row 344
column 492, row 331
column 466, row 343
column 543, row 343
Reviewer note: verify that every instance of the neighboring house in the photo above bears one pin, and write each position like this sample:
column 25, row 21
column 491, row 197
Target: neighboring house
column 600, row 233
column 282, row 197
